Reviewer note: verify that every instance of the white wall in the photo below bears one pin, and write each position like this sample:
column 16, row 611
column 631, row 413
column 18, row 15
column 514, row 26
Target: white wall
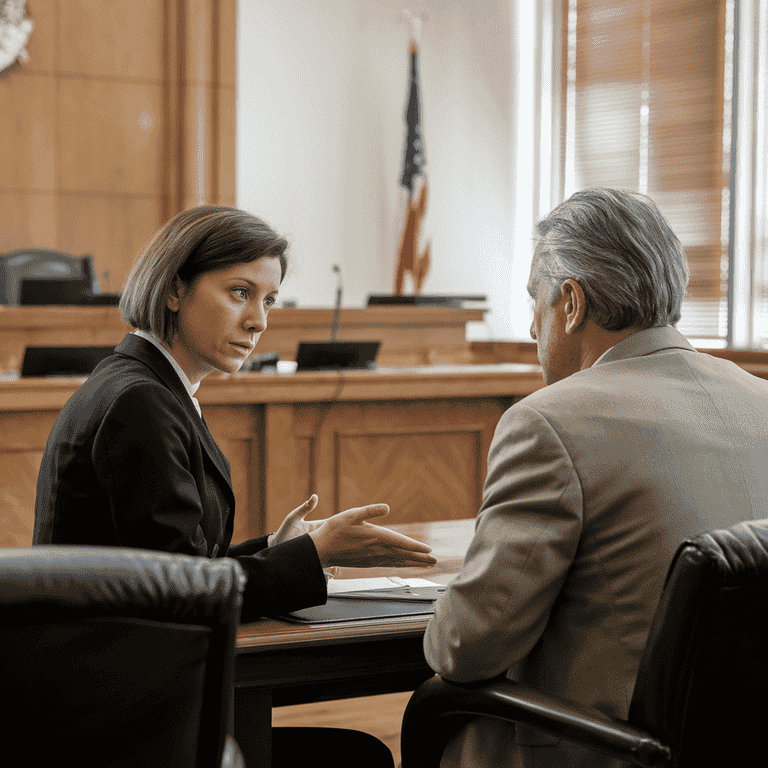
column 321, row 95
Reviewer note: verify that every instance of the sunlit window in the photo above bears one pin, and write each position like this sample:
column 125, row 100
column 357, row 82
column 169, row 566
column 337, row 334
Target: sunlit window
column 648, row 102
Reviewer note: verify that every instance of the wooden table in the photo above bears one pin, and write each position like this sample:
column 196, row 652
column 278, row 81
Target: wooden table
column 281, row 664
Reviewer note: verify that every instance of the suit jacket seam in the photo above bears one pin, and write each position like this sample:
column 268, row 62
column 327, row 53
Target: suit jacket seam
column 573, row 478
column 585, row 535
column 727, row 431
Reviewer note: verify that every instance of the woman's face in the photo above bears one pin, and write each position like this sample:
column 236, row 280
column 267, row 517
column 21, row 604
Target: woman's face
column 221, row 315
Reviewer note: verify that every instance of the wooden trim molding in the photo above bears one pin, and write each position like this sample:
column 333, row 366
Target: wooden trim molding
column 409, row 335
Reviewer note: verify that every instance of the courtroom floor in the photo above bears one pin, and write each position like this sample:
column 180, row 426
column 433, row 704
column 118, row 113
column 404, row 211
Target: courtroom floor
column 380, row 716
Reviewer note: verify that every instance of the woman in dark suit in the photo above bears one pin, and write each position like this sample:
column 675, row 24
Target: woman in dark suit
column 130, row 461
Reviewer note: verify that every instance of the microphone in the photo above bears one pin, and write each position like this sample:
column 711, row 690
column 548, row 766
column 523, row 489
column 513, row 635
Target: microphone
column 339, row 289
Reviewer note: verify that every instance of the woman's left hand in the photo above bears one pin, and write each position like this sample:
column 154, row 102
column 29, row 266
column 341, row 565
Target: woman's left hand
column 294, row 524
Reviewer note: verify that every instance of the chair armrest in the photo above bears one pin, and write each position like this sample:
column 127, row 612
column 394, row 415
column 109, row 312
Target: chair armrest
column 438, row 706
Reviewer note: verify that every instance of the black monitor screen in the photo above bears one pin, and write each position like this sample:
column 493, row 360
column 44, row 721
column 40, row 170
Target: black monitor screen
column 63, row 361
column 331, row 355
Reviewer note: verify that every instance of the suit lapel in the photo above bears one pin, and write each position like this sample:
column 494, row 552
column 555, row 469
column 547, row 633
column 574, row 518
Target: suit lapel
column 146, row 352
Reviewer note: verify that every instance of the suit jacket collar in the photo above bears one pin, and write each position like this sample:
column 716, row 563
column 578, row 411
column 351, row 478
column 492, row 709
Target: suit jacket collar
column 148, row 354
column 645, row 342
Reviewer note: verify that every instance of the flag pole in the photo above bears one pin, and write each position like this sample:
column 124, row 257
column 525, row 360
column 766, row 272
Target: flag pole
column 409, row 260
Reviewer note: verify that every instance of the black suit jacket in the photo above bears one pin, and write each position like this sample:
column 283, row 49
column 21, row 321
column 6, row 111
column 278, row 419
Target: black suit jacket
column 130, row 463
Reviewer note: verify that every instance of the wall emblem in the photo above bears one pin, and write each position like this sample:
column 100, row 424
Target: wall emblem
column 15, row 29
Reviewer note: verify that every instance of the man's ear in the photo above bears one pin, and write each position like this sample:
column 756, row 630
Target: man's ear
column 575, row 305
column 177, row 292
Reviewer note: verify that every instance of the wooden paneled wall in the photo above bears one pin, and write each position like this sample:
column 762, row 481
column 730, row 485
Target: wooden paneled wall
column 409, row 335
column 416, row 438
column 123, row 115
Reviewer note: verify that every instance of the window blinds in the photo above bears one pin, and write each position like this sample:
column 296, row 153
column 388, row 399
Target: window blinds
column 647, row 99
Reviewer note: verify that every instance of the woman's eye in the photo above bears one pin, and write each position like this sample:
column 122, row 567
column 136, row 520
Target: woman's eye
column 241, row 293
column 270, row 301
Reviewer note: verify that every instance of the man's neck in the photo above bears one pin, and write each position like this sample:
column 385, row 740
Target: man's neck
column 596, row 341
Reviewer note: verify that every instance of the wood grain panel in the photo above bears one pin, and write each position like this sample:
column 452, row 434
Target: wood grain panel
column 381, row 716
column 422, row 475
column 27, row 117
column 409, row 335
column 226, row 158
column 225, row 15
column 419, row 447
column 99, row 109
column 22, row 440
column 122, row 152
column 43, row 41
column 111, row 229
column 426, row 459
column 17, row 500
column 28, row 218
column 238, row 431
column 287, row 466
column 26, row 432
column 240, row 454
column 110, row 226
column 112, row 38
column 22, row 326
column 199, row 52
column 198, row 128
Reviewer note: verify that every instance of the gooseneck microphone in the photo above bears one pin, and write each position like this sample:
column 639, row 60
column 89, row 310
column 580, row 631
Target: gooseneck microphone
column 339, row 290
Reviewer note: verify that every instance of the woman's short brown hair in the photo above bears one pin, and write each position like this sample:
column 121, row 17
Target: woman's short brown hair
column 195, row 241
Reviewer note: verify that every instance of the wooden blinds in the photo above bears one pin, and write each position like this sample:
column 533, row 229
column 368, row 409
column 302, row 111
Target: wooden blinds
column 646, row 108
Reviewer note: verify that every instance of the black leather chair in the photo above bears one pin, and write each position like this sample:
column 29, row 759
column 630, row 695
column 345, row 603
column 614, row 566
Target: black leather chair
column 117, row 657
column 700, row 696
column 42, row 263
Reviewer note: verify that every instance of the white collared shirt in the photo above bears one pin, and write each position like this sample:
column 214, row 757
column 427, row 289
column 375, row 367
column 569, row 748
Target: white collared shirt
column 188, row 385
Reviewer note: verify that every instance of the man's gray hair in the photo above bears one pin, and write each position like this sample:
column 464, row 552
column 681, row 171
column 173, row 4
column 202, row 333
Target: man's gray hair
column 621, row 251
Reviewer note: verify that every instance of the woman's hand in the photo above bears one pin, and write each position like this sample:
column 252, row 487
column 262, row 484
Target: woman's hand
column 346, row 539
column 294, row 524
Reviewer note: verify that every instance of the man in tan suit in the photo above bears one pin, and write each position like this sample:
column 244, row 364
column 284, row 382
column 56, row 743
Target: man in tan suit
column 636, row 442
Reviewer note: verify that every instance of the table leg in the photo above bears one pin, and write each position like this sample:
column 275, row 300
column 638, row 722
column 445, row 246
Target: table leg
column 253, row 725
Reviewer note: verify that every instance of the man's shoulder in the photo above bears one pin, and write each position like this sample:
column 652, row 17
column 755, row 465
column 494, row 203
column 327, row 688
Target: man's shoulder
column 576, row 389
column 667, row 374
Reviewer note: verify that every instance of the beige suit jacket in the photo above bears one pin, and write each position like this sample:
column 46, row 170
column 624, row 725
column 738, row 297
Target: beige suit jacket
column 592, row 483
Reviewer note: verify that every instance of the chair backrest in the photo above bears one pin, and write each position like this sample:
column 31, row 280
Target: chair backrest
column 701, row 686
column 42, row 263
column 116, row 657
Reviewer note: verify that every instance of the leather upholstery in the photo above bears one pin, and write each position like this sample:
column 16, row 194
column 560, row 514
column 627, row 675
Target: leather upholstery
column 700, row 692
column 41, row 263
column 117, row 657
column 704, row 673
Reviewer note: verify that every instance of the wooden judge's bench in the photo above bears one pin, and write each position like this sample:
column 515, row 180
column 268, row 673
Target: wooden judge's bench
column 414, row 433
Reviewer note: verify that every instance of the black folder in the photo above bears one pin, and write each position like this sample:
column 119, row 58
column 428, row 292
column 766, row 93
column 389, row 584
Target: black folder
column 350, row 609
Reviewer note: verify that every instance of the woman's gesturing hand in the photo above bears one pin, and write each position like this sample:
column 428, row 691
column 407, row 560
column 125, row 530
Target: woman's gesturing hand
column 346, row 539
column 294, row 524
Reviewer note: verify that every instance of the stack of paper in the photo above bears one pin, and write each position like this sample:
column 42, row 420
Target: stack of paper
column 381, row 582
